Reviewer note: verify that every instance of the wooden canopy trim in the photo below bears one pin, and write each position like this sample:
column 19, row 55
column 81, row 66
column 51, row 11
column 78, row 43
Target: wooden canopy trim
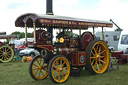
column 7, row 36
column 57, row 21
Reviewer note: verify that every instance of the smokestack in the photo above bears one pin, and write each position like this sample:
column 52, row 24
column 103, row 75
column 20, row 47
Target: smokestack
column 49, row 7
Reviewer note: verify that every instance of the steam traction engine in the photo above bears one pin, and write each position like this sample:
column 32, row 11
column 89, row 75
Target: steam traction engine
column 68, row 54
column 6, row 50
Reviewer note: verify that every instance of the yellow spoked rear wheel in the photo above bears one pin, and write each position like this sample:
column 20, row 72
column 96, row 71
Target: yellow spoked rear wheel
column 59, row 69
column 97, row 57
column 38, row 69
column 6, row 53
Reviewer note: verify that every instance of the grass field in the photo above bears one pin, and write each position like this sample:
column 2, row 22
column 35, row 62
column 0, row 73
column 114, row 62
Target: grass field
column 17, row 73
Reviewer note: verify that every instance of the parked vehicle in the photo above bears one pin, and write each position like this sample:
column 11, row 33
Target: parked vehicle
column 29, row 52
column 112, row 37
column 68, row 54
column 123, row 41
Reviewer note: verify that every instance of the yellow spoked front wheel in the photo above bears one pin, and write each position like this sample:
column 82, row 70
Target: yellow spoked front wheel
column 59, row 69
column 97, row 57
column 6, row 53
column 38, row 70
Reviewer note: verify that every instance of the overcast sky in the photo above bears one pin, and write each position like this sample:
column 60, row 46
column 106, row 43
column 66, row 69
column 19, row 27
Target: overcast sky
column 117, row 10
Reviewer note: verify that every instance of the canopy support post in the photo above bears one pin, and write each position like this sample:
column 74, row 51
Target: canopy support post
column 59, row 30
column 34, row 26
column 102, row 34
column 71, row 31
column 80, row 31
column 25, row 33
column 93, row 30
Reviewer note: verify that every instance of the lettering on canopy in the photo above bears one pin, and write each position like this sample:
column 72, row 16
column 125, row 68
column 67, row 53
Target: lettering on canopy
column 74, row 23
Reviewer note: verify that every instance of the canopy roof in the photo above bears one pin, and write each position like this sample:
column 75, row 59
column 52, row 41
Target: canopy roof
column 57, row 21
column 7, row 36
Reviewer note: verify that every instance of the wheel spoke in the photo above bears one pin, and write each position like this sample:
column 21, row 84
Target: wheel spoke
column 45, row 69
column 38, row 62
column 54, row 71
column 59, row 76
column 55, row 66
column 102, row 52
column 95, row 50
column 56, row 62
column 2, row 57
column 102, row 61
column 7, row 56
column 1, row 50
column 35, row 69
column 62, row 75
column 98, row 67
column 92, row 53
column 92, row 57
column 64, row 72
column 35, row 65
column 5, row 50
column 41, row 72
column 99, row 49
column 100, row 64
column 56, row 75
column 8, row 50
column 95, row 64
column 63, row 63
column 97, row 46
column 101, row 56
column 42, row 64
column 60, row 62
column 64, row 68
column 36, row 72
column 92, row 61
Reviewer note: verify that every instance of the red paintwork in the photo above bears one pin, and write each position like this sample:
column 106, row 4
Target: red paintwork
column 20, row 47
column 74, row 42
column 41, row 38
column 122, row 58
column 117, row 54
column 76, row 58
column 48, row 47
column 86, row 38
column 66, row 51
column 1, row 43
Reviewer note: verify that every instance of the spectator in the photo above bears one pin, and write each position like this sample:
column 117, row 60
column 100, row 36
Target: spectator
column 126, row 51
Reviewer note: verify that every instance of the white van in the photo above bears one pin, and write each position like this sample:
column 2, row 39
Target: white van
column 123, row 41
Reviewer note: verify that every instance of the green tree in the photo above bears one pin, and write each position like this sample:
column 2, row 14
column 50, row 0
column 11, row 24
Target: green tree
column 70, row 34
column 21, row 34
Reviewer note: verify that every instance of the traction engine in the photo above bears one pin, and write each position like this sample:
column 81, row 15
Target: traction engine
column 68, row 55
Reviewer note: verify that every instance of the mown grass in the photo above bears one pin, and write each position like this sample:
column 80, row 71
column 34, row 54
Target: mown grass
column 17, row 73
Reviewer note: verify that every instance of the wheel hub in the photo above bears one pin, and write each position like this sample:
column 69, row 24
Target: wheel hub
column 39, row 67
column 4, row 53
column 97, row 56
column 59, row 69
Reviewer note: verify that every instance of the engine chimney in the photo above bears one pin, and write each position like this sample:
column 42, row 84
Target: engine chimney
column 49, row 7
column 49, row 12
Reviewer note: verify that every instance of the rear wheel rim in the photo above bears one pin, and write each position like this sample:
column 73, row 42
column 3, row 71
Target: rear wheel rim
column 39, row 68
column 6, row 53
column 99, row 58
